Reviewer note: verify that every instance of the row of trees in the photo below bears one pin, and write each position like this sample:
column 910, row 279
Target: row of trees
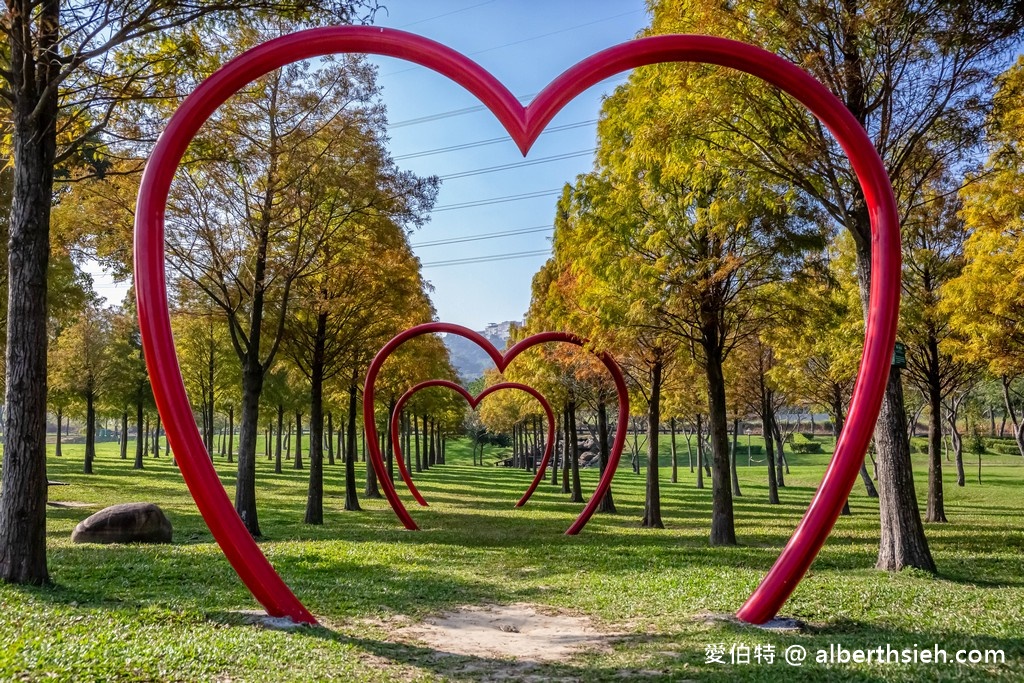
column 286, row 229
column 721, row 247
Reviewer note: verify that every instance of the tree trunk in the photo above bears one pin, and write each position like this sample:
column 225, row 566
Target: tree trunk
column 139, row 434
column 652, row 498
column 351, row 499
column 416, row 439
column 426, row 442
column 723, row 530
column 372, row 490
column 567, row 449
column 515, row 446
column 735, row 444
column 958, row 449
column 577, row 491
column 936, row 511
column 389, row 441
column 34, row 65
column 315, row 492
column 902, row 543
column 1009, row 410
column 689, row 449
column 342, row 441
column 280, row 437
column 769, row 446
column 90, row 432
column 407, row 446
column 330, row 436
column 297, row 463
column 231, row 435
column 556, row 453
column 245, row 481
column 433, row 442
column 156, row 438
column 699, row 429
column 780, row 452
column 607, row 503
column 60, row 418
column 211, row 367
column 124, row 435
column 146, row 442
column 675, row 457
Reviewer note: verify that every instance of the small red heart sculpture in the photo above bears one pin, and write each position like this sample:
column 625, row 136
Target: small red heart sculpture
column 523, row 124
column 473, row 403
column 501, row 361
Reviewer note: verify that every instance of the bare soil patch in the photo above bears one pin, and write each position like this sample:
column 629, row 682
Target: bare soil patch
column 519, row 631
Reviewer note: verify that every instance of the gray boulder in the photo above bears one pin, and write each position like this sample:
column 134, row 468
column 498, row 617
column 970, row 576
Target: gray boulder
column 125, row 523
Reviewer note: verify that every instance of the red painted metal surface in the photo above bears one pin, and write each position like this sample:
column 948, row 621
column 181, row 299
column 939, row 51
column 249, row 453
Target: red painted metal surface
column 473, row 402
column 501, row 361
column 523, row 124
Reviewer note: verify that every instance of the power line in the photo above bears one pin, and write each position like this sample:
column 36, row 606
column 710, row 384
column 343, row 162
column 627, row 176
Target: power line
column 479, row 107
column 498, row 200
column 485, row 236
column 491, row 141
column 527, row 40
column 518, row 164
column 449, row 114
column 554, row 33
column 487, row 259
column 448, row 14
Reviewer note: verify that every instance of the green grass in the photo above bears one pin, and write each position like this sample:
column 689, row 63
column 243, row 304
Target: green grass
column 169, row 612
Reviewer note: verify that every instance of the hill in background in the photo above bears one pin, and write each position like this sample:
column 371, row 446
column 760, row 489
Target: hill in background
column 470, row 360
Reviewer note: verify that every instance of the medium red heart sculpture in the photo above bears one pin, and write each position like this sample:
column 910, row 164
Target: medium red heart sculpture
column 501, row 361
column 523, row 124
column 473, row 403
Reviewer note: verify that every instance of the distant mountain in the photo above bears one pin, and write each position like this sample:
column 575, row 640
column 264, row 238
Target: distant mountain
column 470, row 360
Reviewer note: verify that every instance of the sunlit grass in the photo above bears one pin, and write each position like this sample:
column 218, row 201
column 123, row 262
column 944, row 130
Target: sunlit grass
column 168, row 612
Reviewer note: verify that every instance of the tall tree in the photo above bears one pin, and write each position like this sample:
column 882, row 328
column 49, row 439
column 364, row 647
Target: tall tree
column 82, row 358
column 63, row 82
column 933, row 239
column 701, row 237
column 875, row 56
column 290, row 168
column 985, row 302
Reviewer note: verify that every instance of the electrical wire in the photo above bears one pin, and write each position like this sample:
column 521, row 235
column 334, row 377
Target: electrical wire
column 518, row 164
column 498, row 200
column 448, row 14
column 555, row 33
column 490, row 141
column 485, row 236
column 487, row 259
column 527, row 40
column 449, row 114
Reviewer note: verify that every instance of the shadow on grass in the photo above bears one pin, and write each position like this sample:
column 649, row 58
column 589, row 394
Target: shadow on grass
column 682, row 655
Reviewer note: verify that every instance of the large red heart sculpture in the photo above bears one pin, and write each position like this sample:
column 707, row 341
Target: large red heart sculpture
column 473, row 402
column 501, row 361
column 523, row 124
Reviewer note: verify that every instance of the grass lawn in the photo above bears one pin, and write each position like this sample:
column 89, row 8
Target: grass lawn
column 171, row 612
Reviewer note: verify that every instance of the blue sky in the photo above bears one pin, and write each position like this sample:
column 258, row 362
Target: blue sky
column 525, row 44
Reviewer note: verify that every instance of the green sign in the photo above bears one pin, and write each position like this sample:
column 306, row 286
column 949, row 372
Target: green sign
column 899, row 355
